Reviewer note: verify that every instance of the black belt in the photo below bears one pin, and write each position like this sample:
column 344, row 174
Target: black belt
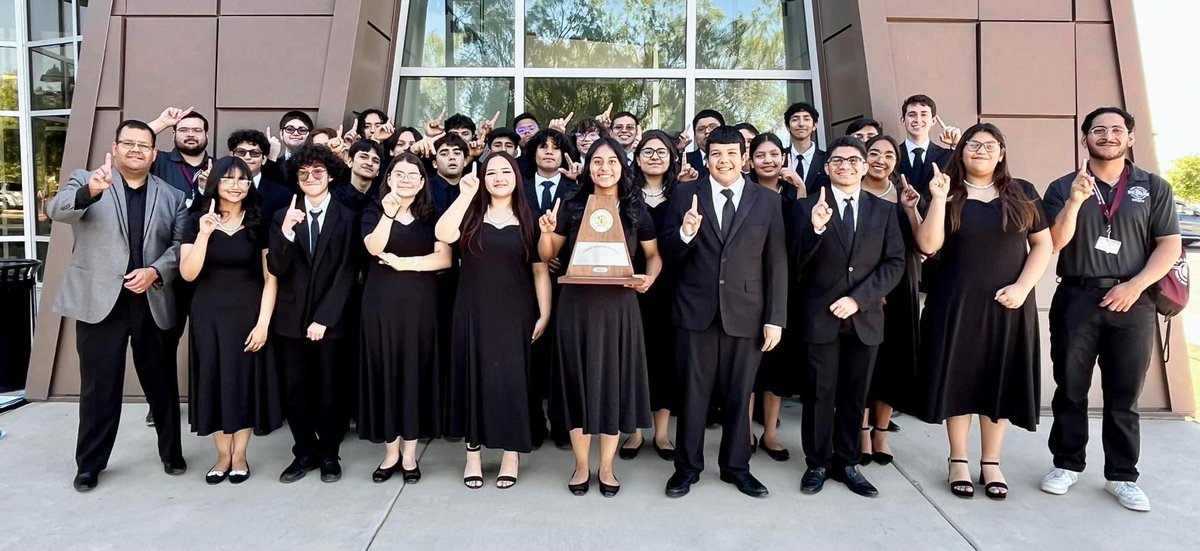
column 1093, row 282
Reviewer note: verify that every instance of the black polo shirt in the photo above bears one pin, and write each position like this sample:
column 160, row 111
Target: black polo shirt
column 1146, row 213
column 173, row 169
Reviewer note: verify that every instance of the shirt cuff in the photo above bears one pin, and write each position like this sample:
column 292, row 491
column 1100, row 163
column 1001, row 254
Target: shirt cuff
column 687, row 239
column 821, row 230
column 290, row 235
column 773, row 325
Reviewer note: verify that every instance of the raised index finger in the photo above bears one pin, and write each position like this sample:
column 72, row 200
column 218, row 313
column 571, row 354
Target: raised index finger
column 695, row 202
column 293, row 202
column 936, row 170
column 570, row 116
column 821, row 197
column 607, row 110
column 554, row 210
column 108, row 162
column 495, row 118
column 212, row 206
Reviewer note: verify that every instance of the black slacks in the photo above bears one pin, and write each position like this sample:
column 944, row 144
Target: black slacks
column 1082, row 334
column 102, row 348
column 311, row 373
column 837, row 377
column 714, row 366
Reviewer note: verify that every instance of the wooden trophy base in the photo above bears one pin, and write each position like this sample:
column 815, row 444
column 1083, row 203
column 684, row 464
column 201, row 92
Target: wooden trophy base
column 593, row 280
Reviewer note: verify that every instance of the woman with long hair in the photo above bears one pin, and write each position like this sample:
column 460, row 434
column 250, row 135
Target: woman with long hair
column 399, row 386
column 599, row 382
column 502, row 306
column 231, row 386
column 979, row 350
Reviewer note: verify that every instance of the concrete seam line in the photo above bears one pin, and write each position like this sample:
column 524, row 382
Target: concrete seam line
column 921, row 490
column 391, row 506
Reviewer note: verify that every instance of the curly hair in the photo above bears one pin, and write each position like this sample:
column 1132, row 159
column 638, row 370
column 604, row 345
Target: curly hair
column 314, row 155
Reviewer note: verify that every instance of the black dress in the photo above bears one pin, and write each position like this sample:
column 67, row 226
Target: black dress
column 229, row 389
column 399, row 387
column 779, row 370
column 494, row 315
column 893, row 380
column 976, row 356
column 599, row 381
column 657, row 327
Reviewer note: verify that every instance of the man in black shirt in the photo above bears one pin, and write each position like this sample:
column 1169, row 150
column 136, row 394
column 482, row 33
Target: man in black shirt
column 1118, row 234
column 179, row 166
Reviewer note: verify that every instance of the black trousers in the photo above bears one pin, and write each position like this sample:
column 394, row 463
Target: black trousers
column 837, row 377
column 1082, row 334
column 714, row 366
column 311, row 374
column 102, row 348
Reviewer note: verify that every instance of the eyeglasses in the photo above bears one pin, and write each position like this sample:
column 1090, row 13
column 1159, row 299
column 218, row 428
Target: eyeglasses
column 706, row 128
column 588, row 136
column 304, row 175
column 239, row 182
column 852, row 161
column 247, row 153
column 526, row 130
column 409, row 176
column 648, row 153
column 886, row 156
column 295, row 130
column 624, row 127
column 135, row 146
column 1115, row 131
column 990, row 147
column 189, row 130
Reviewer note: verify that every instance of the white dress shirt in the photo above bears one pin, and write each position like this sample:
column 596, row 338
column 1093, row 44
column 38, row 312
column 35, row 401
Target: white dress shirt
column 308, row 208
column 719, row 202
column 910, row 146
column 807, row 155
column 839, row 200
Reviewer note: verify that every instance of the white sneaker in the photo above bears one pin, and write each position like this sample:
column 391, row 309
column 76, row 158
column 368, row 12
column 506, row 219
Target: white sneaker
column 1129, row 495
column 1058, row 481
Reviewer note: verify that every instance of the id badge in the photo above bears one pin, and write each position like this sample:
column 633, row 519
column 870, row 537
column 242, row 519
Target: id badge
column 1108, row 245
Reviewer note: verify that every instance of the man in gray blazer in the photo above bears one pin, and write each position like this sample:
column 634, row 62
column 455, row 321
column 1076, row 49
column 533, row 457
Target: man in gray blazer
column 127, row 226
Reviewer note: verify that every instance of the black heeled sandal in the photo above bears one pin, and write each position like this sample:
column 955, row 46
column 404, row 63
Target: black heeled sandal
column 581, row 488
column 473, row 482
column 961, row 488
column 865, row 458
column 511, row 480
column 879, row 457
column 992, row 489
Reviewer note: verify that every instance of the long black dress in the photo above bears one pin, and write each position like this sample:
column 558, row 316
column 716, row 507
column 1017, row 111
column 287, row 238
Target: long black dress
column 229, row 389
column 494, row 315
column 976, row 356
column 599, row 383
column 399, row 387
column 893, row 380
column 657, row 327
column 779, row 369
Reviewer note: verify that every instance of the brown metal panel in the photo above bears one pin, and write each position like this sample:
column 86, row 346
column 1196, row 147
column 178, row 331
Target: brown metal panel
column 277, row 7
column 159, row 75
column 1025, row 10
column 382, row 14
column 349, row 22
column 846, row 72
column 1027, row 68
column 1097, row 77
column 245, row 74
column 922, row 66
column 833, row 16
column 111, row 73
column 932, row 9
column 171, row 7
column 118, row 7
column 1093, row 10
column 369, row 75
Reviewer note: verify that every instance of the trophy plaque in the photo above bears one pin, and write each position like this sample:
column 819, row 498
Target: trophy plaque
column 600, row 256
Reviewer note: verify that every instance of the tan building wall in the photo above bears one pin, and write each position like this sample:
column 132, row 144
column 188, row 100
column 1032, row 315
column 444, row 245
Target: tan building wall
column 1033, row 67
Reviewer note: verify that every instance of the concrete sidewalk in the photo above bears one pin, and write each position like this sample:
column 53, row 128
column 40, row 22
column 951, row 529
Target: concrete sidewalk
column 137, row 506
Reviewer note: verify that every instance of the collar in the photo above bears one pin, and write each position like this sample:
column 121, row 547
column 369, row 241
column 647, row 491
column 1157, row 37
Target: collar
column 176, row 157
column 840, row 196
column 324, row 206
column 909, row 145
column 737, row 187
column 807, row 153
column 538, row 179
column 257, row 179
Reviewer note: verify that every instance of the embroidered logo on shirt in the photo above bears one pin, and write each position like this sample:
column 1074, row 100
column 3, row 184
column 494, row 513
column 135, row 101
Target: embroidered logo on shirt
column 1138, row 194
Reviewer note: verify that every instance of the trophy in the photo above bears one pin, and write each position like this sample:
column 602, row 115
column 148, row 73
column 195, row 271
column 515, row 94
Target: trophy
column 600, row 256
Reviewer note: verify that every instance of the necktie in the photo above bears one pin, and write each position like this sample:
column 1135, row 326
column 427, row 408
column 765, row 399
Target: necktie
column 314, row 229
column 727, row 212
column 918, row 163
column 547, row 199
column 800, row 166
column 848, row 217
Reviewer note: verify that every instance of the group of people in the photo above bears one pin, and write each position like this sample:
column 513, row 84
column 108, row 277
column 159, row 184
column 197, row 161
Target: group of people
column 405, row 282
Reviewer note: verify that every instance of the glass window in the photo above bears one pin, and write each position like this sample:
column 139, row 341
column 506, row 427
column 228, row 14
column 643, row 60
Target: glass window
column 12, row 249
column 50, row 19
column 423, row 98
column 49, row 137
column 81, row 8
column 8, row 79
column 605, row 33
column 11, row 200
column 459, row 33
column 52, row 76
column 758, row 102
column 8, row 20
column 751, row 34
column 658, row 102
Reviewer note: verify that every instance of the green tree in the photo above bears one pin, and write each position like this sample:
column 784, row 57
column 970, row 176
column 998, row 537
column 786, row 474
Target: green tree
column 1185, row 178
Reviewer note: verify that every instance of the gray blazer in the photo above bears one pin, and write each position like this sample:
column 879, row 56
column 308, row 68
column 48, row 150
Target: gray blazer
column 96, row 274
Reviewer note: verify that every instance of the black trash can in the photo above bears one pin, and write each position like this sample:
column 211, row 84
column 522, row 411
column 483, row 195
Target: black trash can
column 17, row 301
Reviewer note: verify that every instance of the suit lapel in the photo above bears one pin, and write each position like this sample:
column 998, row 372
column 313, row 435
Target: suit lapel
column 839, row 227
column 151, row 198
column 302, row 232
column 706, row 207
column 331, row 217
column 117, row 191
column 749, row 194
column 865, row 209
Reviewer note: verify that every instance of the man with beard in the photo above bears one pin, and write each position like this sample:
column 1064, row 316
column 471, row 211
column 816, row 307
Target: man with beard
column 1115, row 227
column 803, row 156
column 626, row 128
column 180, row 166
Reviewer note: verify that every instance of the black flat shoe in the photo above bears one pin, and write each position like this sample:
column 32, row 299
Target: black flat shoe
column 239, row 476
column 413, row 476
column 630, row 453
column 605, row 489
column 667, row 455
column 86, row 482
column 994, row 490
column 299, row 467
column 961, row 488
column 681, row 483
column 581, row 488
column 331, row 471
column 855, row 481
column 746, row 484
column 382, row 474
column 879, row 457
column 216, row 477
column 779, row 455
column 814, row 480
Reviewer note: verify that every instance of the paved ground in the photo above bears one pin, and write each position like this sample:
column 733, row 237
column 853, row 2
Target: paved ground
column 139, row 507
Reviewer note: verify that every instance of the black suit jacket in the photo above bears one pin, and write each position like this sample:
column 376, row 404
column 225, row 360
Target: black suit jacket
column 275, row 196
column 834, row 264
column 744, row 277
column 814, row 178
column 919, row 176
column 313, row 286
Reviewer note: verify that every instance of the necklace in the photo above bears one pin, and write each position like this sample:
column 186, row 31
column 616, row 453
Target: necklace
column 227, row 229
column 498, row 223
column 973, row 186
column 660, row 193
column 885, row 192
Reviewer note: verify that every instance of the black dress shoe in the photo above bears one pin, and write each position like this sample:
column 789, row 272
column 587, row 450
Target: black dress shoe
column 383, row 475
column 149, row 419
column 855, row 481
column 667, row 455
column 681, row 483
column 175, row 467
column 85, row 482
column 630, row 453
column 746, row 484
column 331, row 471
column 814, row 480
column 299, row 467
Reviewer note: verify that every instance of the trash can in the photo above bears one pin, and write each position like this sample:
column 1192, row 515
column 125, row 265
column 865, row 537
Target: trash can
column 17, row 301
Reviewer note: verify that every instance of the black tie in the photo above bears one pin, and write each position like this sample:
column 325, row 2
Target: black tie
column 547, row 199
column 727, row 212
column 848, row 217
column 918, row 162
column 314, row 229
column 800, row 166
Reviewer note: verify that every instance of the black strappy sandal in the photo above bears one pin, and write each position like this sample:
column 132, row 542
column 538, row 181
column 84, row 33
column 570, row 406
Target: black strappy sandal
column 961, row 488
column 877, row 456
column 994, row 490
column 511, row 480
column 865, row 458
column 474, row 482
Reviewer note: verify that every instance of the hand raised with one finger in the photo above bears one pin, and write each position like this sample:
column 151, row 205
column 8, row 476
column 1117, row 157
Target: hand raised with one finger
column 692, row 218
column 549, row 221
column 821, row 213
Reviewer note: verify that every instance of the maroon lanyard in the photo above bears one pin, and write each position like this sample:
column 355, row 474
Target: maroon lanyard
column 1109, row 210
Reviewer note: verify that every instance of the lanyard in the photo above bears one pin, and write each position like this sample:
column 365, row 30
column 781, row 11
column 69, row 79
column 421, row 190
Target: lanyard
column 1110, row 210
